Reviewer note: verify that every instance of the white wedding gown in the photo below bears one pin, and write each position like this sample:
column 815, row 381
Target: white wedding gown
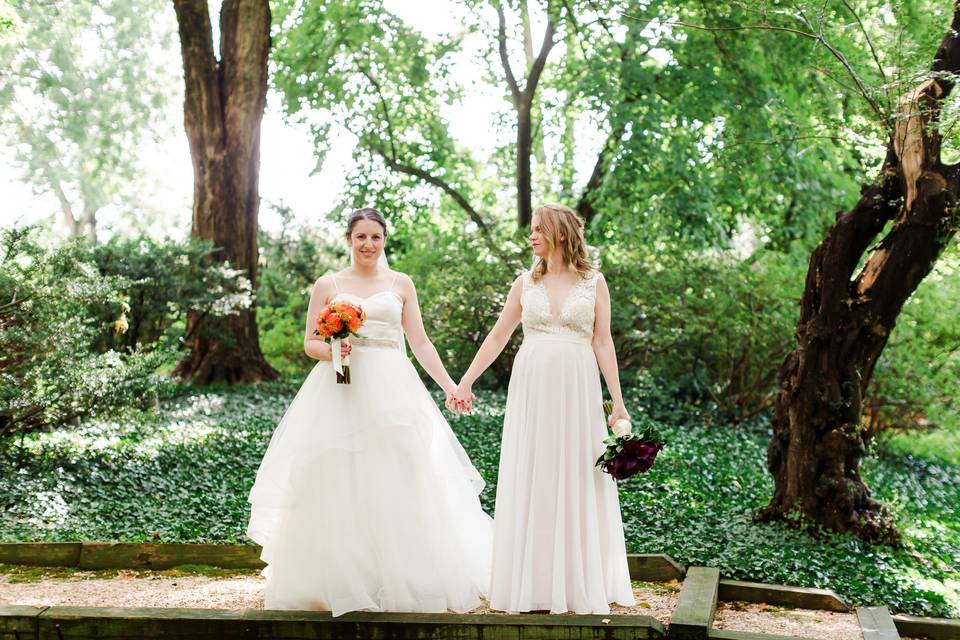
column 558, row 534
column 365, row 499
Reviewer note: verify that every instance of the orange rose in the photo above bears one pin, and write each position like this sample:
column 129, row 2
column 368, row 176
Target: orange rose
column 334, row 323
column 354, row 324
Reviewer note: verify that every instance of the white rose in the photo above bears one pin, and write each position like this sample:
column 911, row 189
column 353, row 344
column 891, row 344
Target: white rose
column 622, row 427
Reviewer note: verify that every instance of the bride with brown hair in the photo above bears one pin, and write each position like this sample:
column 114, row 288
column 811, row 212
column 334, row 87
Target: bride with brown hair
column 365, row 499
column 558, row 536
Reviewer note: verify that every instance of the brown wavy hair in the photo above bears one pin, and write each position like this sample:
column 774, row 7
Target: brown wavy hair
column 562, row 229
column 366, row 213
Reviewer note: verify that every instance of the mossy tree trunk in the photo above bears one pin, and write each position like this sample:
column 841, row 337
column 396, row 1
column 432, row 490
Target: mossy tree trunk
column 846, row 315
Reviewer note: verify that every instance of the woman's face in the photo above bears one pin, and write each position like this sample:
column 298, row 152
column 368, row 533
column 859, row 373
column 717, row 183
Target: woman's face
column 537, row 240
column 366, row 242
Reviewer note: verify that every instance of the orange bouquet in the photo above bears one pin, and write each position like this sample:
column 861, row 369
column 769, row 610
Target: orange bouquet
column 336, row 322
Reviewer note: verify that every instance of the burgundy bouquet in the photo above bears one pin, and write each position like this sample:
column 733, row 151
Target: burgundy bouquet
column 629, row 453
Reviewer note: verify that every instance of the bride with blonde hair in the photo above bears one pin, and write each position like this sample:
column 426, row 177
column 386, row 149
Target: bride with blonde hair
column 558, row 535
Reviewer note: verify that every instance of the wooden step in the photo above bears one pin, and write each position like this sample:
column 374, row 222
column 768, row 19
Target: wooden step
column 694, row 612
column 877, row 624
column 91, row 623
column 782, row 595
column 727, row 634
column 933, row 628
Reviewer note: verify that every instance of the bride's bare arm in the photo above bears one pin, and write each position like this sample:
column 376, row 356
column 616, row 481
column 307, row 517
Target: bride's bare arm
column 313, row 345
column 423, row 350
column 604, row 350
column 495, row 341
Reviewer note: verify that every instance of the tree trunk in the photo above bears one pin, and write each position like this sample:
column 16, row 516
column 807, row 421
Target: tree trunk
column 223, row 107
column 523, row 103
column 524, row 147
column 845, row 321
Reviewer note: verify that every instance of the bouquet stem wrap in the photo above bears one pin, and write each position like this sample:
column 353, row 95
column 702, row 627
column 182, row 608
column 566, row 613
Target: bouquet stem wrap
column 341, row 364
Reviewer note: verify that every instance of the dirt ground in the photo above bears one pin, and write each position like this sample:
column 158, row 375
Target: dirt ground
column 224, row 589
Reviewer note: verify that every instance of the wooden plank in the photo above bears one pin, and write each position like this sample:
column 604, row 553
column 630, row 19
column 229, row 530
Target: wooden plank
column 40, row 554
column 83, row 623
column 876, row 624
column 145, row 555
column 18, row 622
column 781, row 595
column 933, row 628
column 654, row 567
column 727, row 634
column 697, row 605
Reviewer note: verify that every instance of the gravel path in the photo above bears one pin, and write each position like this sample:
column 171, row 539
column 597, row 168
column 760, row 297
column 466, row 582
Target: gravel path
column 806, row 623
column 245, row 591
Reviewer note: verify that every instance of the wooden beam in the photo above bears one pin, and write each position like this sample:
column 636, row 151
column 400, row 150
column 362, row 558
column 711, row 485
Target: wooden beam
column 782, row 595
column 40, row 554
column 933, row 628
column 145, row 555
column 80, row 623
column 727, row 634
column 694, row 612
column 654, row 567
column 18, row 622
column 876, row 624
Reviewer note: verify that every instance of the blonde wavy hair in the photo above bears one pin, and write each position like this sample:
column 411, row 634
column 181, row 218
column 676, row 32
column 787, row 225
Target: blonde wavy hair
column 563, row 229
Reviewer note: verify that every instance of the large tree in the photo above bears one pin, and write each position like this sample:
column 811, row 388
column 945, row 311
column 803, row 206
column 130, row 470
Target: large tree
column 81, row 90
column 869, row 263
column 223, row 108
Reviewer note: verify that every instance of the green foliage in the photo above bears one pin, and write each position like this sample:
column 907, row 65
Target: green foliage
column 184, row 475
column 50, row 315
column 916, row 381
column 461, row 288
column 162, row 282
column 85, row 88
column 290, row 263
column 706, row 327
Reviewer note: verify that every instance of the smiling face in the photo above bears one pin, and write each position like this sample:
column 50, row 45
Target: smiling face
column 366, row 242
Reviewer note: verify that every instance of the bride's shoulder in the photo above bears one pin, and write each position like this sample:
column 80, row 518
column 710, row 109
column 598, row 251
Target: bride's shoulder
column 401, row 279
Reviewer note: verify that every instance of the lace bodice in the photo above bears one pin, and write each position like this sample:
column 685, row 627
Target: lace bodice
column 576, row 312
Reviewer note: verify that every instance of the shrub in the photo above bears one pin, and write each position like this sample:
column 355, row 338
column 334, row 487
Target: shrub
column 706, row 327
column 51, row 305
column 916, row 381
column 462, row 288
column 290, row 263
column 160, row 282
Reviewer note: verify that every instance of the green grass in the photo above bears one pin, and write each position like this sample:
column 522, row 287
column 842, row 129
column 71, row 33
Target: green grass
column 183, row 476
column 941, row 445
column 19, row 573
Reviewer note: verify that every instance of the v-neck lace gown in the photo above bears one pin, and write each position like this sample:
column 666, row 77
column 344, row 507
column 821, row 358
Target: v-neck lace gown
column 558, row 534
column 364, row 498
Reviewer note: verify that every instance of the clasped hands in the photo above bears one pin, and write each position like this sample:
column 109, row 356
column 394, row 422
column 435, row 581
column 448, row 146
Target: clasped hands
column 460, row 399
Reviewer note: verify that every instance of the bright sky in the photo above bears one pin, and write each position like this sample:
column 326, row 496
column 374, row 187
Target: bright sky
column 287, row 151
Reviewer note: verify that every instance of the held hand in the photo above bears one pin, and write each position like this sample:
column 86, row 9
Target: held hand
column 619, row 413
column 345, row 348
column 463, row 397
column 451, row 403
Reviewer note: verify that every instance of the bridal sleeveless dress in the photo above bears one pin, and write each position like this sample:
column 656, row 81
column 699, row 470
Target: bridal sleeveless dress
column 558, row 533
column 365, row 499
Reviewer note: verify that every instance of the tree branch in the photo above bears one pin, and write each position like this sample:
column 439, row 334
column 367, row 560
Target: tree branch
column 806, row 34
column 530, row 88
column 429, row 178
column 585, row 205
column 504, row 60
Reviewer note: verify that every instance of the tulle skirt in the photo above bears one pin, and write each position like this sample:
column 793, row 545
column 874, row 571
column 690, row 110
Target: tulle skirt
column 558, row 534
column 365, row 499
